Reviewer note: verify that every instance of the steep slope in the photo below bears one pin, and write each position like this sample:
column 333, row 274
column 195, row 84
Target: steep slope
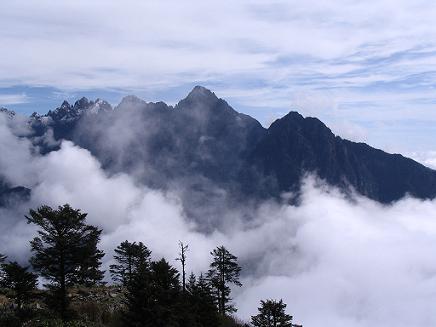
column 202, row 137
column 215, row 157
column 294, row 145
column 10, row 195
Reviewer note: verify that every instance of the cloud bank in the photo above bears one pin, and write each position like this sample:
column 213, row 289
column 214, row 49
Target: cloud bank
column 367, row 66
column 334, row 261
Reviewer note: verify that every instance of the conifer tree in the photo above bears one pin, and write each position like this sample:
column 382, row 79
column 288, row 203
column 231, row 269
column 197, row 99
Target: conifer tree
column 272, row 314
column 201, row 302
column 167, row 290
column 224, row 270
column 153, row 295
column 65, row 251
column 20, row 281
column 129, row 257
column 140, row 299
column 192, row 282
column 89, row 273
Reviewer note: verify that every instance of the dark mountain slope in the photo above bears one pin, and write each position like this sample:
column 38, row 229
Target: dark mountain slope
column 202, row 137
column 294, row 145
column 215, row 157
column 10, row 195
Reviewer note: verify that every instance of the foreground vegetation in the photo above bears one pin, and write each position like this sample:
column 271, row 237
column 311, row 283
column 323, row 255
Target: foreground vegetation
column 66, row 257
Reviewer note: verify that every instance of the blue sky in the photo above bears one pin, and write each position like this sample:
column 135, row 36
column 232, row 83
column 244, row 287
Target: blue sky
column 367, row 69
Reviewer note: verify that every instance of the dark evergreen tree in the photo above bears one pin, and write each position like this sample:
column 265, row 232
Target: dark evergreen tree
column 192, row 282
column 182, row 259
column 20, row 281
column 140, row 300
column 89, row 273
column 64, row 252
column 272, row 314
column 129, row 257
column 224, row 271
column 201, row 302
column 153, row 296
column 167, row 290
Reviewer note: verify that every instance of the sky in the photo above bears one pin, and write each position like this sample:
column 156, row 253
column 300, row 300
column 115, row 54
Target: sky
column 367, row 69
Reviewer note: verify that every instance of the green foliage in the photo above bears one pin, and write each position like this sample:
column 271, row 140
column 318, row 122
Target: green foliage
column 155, row 297
column 89, row 273
column 152, row 296
column 66, row 255
column 129, row 256
column 9, row 318
column 65, row 251
column 201, row 303
column 139, row 298
column 224, row 270
column 20, row 281
column 230, row 321
column 272, row 314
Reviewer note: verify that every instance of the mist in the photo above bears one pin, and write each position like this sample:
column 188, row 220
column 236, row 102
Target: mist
column 335, row 260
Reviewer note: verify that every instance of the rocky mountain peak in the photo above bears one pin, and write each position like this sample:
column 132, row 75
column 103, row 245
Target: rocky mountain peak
column 80, row 107
column 82, row 103
column 7, row 112
column 199, row 96
column 204, row 136
column 130, row 101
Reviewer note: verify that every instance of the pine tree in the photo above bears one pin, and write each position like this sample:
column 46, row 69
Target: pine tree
column 272, row 314
column 65, row 251
column 89, row 273
column 20, row 281
column 153, row 295
column 129, row 257
column 224, row 270
column 140, row 300
column 192, row 282
column 182, row 259
column 201, row 302
column 167, row 290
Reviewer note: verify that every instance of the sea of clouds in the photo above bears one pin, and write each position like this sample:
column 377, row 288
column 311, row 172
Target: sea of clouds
column 335, row 261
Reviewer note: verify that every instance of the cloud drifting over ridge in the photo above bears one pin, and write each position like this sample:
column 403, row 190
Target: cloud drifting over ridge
column 334, row 261
column 262, row 56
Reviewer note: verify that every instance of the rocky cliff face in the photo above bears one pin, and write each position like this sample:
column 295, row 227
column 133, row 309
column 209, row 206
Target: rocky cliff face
column 294, row 145
column 210, row 152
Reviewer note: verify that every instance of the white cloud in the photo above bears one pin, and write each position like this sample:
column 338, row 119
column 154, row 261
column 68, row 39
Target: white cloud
column 374, row 66
column 13, row 98
column 427, row 158
column 334, row 261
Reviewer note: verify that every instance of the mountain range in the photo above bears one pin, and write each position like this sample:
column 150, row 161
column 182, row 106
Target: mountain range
column 210, row 153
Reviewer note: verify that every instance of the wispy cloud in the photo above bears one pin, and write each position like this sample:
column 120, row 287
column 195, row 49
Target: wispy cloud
column 373, row 57
column 8, row 99
column 335, row 262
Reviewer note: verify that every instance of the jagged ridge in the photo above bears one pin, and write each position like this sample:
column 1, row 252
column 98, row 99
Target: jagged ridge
column 205, row 145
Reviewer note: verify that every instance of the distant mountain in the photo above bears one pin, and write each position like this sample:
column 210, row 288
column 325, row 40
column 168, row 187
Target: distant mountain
column 293, row 145
column 212, row 154
column 10, row 195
